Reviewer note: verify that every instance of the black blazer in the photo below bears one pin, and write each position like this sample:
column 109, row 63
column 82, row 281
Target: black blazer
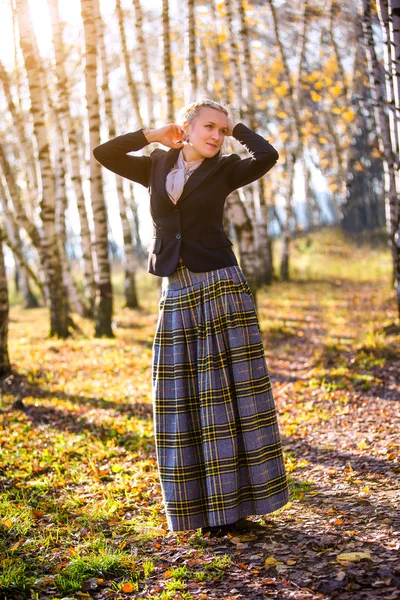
column 193, row 228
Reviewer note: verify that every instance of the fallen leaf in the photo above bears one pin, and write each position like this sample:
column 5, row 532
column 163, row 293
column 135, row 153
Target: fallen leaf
column 167, row 574
column 128, row 587
column 270, row 561
column 353, row 556
column 362, row 445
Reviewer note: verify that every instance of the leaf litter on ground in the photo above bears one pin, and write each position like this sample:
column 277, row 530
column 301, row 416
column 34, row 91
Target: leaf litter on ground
column 81, row 511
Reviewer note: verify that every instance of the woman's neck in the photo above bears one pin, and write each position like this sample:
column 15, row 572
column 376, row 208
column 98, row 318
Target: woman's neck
column 190, row 154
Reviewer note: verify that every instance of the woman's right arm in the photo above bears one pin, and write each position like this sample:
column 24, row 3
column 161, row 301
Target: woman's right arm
column 114, row 154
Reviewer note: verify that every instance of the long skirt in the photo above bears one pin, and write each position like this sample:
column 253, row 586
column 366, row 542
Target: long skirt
column 217, row 439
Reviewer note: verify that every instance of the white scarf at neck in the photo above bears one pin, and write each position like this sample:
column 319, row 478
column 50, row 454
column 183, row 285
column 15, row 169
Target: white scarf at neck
column 179, row 175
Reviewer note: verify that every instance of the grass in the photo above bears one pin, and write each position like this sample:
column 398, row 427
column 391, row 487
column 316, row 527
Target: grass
column 80, row 503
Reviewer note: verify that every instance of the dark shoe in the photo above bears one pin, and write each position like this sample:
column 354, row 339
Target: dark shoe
column 217, row 531
column 247, row 525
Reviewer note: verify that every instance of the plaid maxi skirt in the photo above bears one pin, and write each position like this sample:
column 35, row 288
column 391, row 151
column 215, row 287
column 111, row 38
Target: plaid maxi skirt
column 217, row 439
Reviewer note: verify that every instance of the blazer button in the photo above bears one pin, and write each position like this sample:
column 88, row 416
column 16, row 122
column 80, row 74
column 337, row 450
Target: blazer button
column 178, row 236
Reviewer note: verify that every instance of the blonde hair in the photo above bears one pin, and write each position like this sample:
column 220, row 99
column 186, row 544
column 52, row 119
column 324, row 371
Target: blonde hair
column 191, row 111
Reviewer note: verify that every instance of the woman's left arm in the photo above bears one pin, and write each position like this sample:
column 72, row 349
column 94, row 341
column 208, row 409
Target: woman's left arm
column 264, row 157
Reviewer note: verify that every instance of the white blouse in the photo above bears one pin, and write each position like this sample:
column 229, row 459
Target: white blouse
column 179, row 175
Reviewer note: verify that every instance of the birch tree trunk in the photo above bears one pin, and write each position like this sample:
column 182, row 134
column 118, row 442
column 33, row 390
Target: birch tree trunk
column 385, row 142
column 129, row 255
column 104, row 299
column 394, row 39
column 248, row 62
column 64, row 95
column 213, row 41
column 5, row 366
column 394, row 34
column 144, row 63
column 192, row 51
column 298, row 136
column 205, row 87
column 61, row 200
column 245, row 236
column 13, row 240
column 135, row 226
column 126, row 55
column 167, row 62
column 24, row 143
column 264, row 245
column 53, row 270
column 234, row 59
column 71, row 290
column 287, row 232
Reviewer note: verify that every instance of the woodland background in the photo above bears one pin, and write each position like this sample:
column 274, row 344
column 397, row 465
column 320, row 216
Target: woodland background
column 318, row 239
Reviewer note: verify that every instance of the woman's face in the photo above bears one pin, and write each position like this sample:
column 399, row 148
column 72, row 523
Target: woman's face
column 206, row 133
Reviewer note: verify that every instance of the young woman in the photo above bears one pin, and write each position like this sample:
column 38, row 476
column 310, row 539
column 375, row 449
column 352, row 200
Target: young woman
column 217, row 439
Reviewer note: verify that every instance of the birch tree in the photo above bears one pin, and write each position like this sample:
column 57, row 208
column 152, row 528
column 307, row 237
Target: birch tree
column 144, row 62
column 5, row 366
column 191, row 35
column 70, row 126
column 52, row 263
column 390, row 164
column 167, row 62
column 132, row 86
column 129, row 255
column 104, row 300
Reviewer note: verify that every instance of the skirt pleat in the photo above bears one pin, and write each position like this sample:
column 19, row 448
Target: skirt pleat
column 217, row 438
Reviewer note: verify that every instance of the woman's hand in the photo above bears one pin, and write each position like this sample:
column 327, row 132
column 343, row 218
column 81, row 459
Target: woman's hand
column 171, row 135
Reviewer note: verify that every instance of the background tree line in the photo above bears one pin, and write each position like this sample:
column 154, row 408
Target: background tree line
column 319, row 79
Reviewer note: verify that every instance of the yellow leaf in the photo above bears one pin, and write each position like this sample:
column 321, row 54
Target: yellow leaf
column 336, row 90
column 270, row 561
column 281, row 114
column 8, row 523
column 291, row 562
column 348, row 115
column 353, row 556
column 315, row 96
column 362, row 445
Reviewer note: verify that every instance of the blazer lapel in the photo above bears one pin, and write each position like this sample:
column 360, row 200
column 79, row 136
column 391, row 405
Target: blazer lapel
column 197, row 177
column 163, row 167
column 167, row 162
